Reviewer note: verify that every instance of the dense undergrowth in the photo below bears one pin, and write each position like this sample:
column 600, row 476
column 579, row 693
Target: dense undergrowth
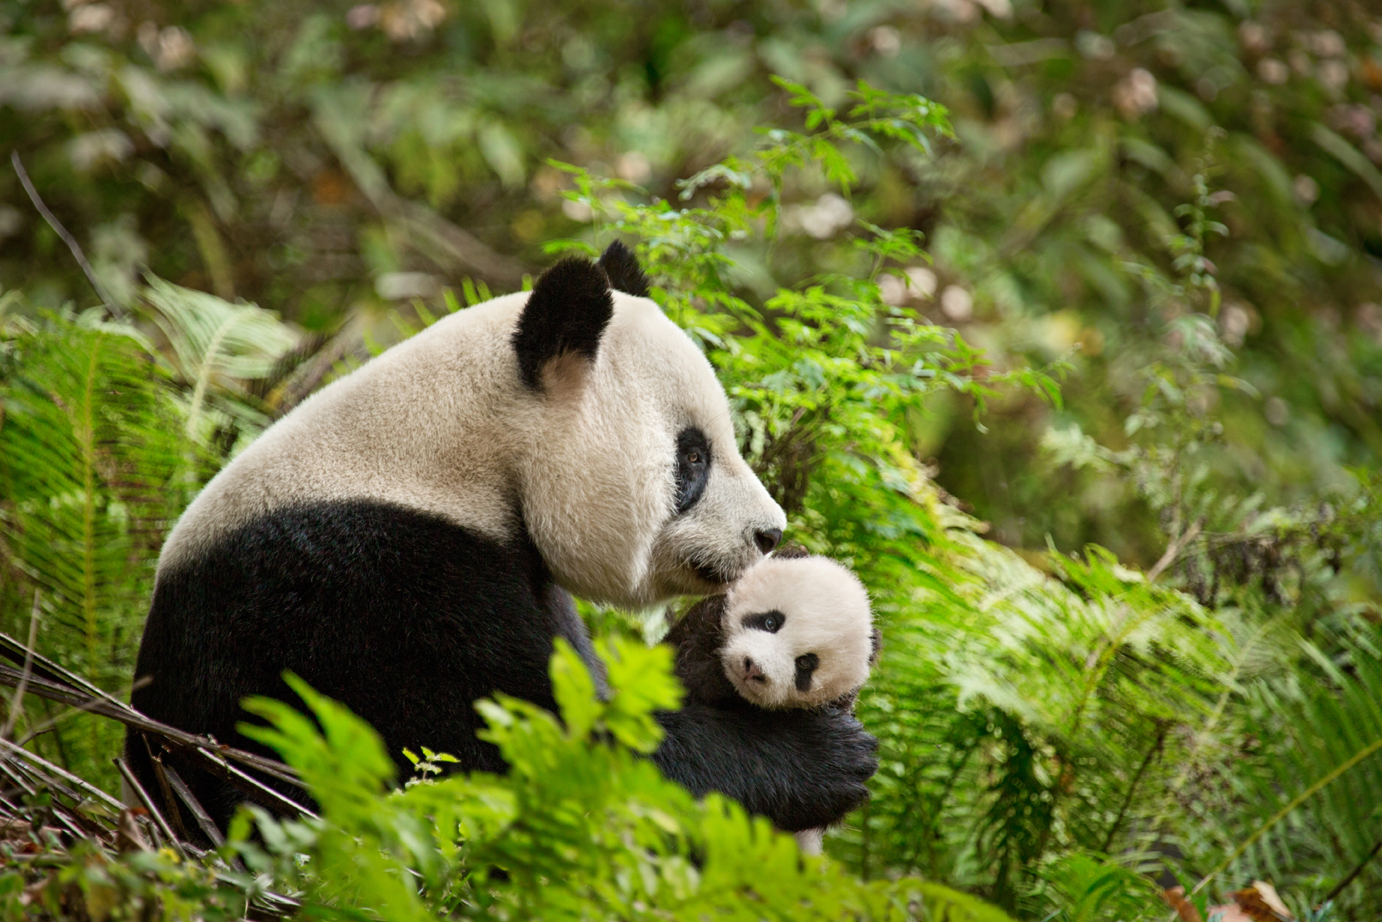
column 1116, row 293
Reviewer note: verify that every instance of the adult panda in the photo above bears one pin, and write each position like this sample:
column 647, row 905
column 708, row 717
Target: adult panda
column 405, row 540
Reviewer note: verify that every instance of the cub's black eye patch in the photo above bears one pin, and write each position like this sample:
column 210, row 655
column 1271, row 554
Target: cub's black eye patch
column 806, row 667
column 770, row 621
column 693, row 467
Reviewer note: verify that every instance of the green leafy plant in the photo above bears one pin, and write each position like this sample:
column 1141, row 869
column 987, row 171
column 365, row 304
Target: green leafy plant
column 582, row 826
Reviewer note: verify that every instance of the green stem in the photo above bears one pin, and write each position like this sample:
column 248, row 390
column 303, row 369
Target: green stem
column 87, row 439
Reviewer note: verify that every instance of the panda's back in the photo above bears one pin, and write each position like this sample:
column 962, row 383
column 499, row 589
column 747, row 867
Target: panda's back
column 403, row 430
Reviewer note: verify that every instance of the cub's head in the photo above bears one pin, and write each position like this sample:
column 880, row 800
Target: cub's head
column 798, row 633
column 631, row 483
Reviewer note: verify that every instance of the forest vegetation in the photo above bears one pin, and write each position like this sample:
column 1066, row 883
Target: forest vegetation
column 1059, row 321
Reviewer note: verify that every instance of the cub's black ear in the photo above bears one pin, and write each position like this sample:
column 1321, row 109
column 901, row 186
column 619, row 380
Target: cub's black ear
column 625, row 274
column 877, row 639
column 565, row 316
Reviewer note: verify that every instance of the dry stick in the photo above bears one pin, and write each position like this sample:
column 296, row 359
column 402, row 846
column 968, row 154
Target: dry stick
column 109, row 707
column 73, row 711
column 149, row 805
column 18, row 780
column 26, row 759
column 1173, row 550
column 245, row 782
column 190, row 801
column 207, row 749
column 62, row 232
column 17, row 702
column 164, row 788
column 15, row 651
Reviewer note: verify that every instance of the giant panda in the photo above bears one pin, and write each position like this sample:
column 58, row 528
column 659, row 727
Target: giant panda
column 405, row 541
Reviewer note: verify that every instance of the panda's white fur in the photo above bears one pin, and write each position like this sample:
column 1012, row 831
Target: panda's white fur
column 442, row 423
column 824, row 613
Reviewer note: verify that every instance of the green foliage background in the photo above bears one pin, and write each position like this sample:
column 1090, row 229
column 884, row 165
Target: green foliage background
column 1058, row 321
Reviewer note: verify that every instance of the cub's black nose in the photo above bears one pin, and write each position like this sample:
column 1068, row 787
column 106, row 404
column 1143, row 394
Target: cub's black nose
column 767, row 539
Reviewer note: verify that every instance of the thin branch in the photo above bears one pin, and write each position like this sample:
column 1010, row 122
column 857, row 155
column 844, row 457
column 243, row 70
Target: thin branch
column 23, row 758
column 1132, row 787
column 61, row 231
column 1173, row 550
column 166, row 789
column 65, row 694
column 1352, row 875
column 84, row 708
column 194, row 806
column 148, row 804
column 17, row 702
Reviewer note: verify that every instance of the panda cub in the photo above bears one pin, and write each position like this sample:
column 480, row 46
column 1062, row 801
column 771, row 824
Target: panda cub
column 795, row 631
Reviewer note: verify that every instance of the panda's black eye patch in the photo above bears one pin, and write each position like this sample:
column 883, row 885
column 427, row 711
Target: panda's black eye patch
column 770, row 621
column 806, row 667
column 693, row 467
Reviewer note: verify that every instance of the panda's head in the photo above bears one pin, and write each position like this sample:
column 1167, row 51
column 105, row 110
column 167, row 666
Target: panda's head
column 798, row 632
column 631, row 483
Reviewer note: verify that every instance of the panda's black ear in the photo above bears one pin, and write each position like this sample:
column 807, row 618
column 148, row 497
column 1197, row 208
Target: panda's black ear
column 625, row 274
column 566, row 315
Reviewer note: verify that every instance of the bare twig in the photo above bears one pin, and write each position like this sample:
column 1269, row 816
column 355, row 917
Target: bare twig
column 62, row 232
column 105, row 706
column 85, row 708
column 1352, row 875
column 249, row 784
column 148, row 804
column 1174, row 549
column 194, row 806
column 24, row 758
column 17, row 702
column 1165, row 726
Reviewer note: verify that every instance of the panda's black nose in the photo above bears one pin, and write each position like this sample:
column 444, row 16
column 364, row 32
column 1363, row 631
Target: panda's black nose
column 767, row 539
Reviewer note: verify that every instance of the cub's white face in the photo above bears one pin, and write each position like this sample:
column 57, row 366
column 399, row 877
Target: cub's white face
column 633, row 488
column 798, row 633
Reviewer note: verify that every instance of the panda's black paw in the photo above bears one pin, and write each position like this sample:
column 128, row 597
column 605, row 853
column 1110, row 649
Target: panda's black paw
column 801, row 769
column 842, row 757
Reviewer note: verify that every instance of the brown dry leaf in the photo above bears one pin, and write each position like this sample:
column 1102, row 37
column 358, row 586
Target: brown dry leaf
column 128, row 836
column 1185, row 910
column 1261, row 903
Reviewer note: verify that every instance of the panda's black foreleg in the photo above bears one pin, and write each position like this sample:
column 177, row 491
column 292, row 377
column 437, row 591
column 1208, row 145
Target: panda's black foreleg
column 800, row 768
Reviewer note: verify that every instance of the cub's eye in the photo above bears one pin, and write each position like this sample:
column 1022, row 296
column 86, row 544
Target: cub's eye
column 808, row 661
column 770, row 621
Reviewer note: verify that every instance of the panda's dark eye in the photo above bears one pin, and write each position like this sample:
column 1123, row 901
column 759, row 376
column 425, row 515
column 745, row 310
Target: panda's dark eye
column 693, row 467
column 770, row 621
column 806, row 667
